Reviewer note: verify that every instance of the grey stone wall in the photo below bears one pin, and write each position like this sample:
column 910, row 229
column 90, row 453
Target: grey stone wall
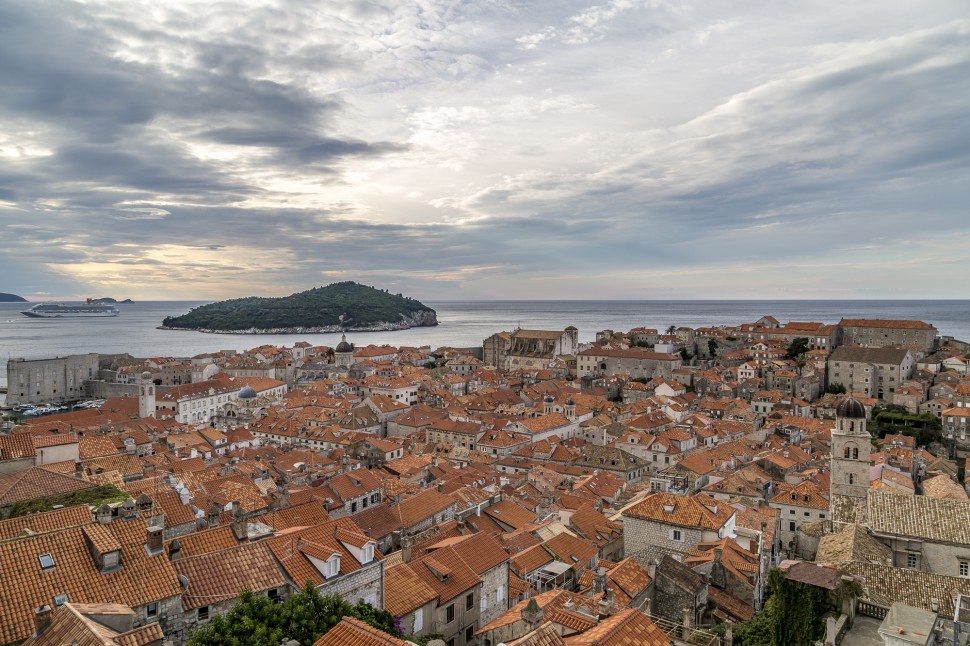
column 357, row 586
column 41, row 381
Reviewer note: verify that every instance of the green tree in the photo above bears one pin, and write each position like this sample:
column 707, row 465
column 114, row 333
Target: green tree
column 685, row 355
column 254, row 620
column 712, row 347
column 672, row 329
column 797, row 348
column 835, row 388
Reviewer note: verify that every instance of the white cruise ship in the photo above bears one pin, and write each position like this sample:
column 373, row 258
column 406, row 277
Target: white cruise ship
column 59, row 310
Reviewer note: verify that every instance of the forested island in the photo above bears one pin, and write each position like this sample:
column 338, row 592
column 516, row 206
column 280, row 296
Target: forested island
column 346, row 306
column 11, row 298
column 107, row 300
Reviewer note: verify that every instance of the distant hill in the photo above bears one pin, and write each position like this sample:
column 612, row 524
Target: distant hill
column 341, row 306
column 11, row 298
column 107, row 300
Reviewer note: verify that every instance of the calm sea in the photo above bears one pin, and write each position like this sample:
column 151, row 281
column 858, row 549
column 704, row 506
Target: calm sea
column 461, row 324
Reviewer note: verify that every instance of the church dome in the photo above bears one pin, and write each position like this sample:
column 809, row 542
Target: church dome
column 570, row 402
column 549, row 399
column 247, row 392
column 343, row 346
column 850, row 407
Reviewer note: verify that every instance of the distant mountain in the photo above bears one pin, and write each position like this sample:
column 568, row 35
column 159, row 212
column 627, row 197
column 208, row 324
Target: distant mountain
column 11, row 298
column 107, row 300
column 341, row 306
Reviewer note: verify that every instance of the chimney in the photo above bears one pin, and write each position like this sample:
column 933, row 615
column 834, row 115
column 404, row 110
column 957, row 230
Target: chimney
column 729, row 634
column 441, row 487
column 78, row 469
column 607, row 606
column 155, row 542
column 407, row 541
column 532, row 614
column 103, row 514
column 239, row 520
column 599, row 580
column 212, row 518
column 461, row 524
column 42, row 619
column 174, row 550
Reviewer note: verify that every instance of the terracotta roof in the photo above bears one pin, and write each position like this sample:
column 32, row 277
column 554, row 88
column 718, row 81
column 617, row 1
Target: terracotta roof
column 886, row 584
column 445, row 572
column 886, row 323
column 140, row 579
column 207, row 541
column 851, row 543
column 624, row 628
column 681, row 510
column 404, row 591
column 353, row 632
column 37, row 482
column 220, row 576
column 425, row 504
column 45, row 522
column 321, row 539
column 511, row 514
column 934, row 519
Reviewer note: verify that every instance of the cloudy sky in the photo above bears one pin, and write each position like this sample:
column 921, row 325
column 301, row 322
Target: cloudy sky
column 486, row 149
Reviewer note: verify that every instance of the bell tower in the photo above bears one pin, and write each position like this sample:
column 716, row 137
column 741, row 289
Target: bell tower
column 146, row 396
column 851, row 447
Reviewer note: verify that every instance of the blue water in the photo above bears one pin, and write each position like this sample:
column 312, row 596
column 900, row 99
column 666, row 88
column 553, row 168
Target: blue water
column 461, row 324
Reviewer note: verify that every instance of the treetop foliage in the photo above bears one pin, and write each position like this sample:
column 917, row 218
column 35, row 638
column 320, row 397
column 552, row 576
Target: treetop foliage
column 255, row 620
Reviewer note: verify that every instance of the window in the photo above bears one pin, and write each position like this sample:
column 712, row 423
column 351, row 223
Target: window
column 60, row 600
column 483, row 604
column 353, row 507
column 332, row 567
column 469, row 633
column 418, row 620
column 273, row 594
column 46, row 561
column 964, row 568
column 470, row 601
column 450, row 614
column 202, row 614
column 676, row 535
column 368, row 552
column 151, row 610
column 911, row 560
column 791, row 526
column 500, row 595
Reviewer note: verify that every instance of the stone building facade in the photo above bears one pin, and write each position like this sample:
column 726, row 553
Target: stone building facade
column 883, row 333
column 42, row 381
column 877, row 372
column 635, row 362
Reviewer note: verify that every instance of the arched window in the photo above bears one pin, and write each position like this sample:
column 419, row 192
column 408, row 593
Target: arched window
column 855, row 454
column 848, row 452
column 851, row 479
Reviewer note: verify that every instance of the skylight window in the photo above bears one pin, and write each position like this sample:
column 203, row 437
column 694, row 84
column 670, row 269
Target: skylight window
column 60, row 600
column 46, row 561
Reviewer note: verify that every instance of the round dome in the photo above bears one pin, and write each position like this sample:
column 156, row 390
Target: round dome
column 343, row 346
column 549, row 399
column 247, row 392
column 850, row 407
column 570, row 402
